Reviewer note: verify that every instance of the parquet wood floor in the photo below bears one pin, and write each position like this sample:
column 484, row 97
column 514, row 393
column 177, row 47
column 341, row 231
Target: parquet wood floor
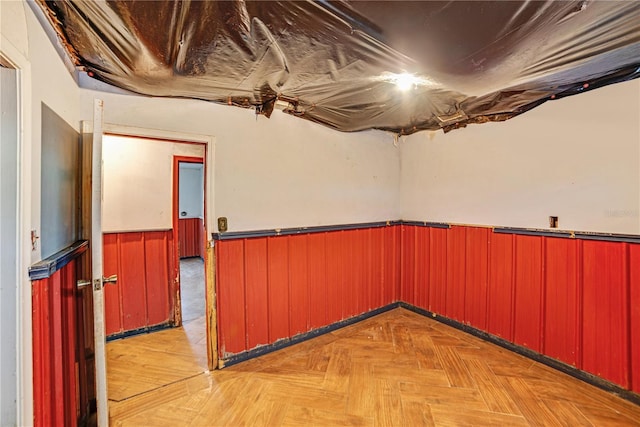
column 398, row 368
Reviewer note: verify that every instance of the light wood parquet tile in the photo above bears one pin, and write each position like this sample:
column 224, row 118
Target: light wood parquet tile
column 496, row 398
column 398, row 368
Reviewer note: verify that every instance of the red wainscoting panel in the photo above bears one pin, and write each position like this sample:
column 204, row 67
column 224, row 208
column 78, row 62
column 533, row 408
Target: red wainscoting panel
column 572, row 299
column 191, row 237
column 112, row 300
column 298, row 285
column 255, row 259
column 501, row 279
column 349, row 267
column 437, row 270
column 132, row 279
column 367, row 270
column 318, row 295
column 278, row 286
column 54, row 348
column 605, row 333
column 410, row 263
column 231, row 298
column 391, row 245
column 563, row 301
column 456, row 266
column 528, row 292
column 376, row 248
column 158, row 276
column 477, row 277
column 634, row 277
column 421, row 268
column 311, row 280
column 335, row 266
column 144, row 295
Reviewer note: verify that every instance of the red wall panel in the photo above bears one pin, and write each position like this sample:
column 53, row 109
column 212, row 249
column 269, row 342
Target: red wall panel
column 437, row 270
column 335, row 265
column 409, row 261
column 477, row 277
column 255, row 268
column 318, row 295
column 56, row 355
column 605, row 333
column 456, row 266
column 350, row 267
column 563, row 300
column 564, row 297
column 392, row 264
column 270, row 288
column 54, row 349
column 298, row 285
column 231, row 297
column 191, row 237
column 158, row 276
column 132, row 274
column 377, row 279
column 43, row 390
column 634, row 284
column 528, row 292
column 112, row 298
column 278, row 287
column 500, row 299
column 367, row 270
column 69, row 339
column 144, row 294
column 421, row 275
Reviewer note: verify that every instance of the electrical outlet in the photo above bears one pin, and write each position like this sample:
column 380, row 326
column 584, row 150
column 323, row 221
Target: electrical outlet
column 222, row 224
column 553, row 222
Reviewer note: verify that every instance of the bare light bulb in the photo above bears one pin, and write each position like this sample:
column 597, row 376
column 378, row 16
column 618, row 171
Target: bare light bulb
column 406, row 81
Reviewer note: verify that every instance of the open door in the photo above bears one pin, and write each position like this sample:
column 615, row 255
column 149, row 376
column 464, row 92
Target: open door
column 93, row 132
column 97, row 267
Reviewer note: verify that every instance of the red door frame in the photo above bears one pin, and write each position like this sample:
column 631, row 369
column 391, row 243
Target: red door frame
column 177, row 309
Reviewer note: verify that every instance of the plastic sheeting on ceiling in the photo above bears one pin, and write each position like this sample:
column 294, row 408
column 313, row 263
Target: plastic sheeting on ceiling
column 391, row 65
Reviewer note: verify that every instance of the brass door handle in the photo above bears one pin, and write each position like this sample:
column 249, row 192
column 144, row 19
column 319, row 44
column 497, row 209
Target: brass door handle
column 83, row 283
column 111, row 279
column 96, row 283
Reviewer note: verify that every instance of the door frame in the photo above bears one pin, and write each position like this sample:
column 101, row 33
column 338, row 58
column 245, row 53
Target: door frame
column 209, row 145
column 13, row 58
column 175, row 218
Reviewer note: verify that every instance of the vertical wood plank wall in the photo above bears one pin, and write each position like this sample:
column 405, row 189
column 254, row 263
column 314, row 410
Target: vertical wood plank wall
column 54, row 349
column 143, row 295
column 575, row 300
column 191, row 237
column 271, row 288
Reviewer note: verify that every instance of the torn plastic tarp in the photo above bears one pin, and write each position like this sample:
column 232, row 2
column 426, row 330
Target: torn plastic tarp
column 341, row 63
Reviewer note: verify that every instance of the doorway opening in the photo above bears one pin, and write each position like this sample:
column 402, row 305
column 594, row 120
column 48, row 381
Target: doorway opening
column 191, row 247
column 142, row 245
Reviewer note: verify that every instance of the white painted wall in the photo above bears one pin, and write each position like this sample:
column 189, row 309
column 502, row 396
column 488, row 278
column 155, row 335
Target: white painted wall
column 278, row 172
column 49, row 82
column 191, row 191
column 577, row 158
column 138, row 182
column 13, row 25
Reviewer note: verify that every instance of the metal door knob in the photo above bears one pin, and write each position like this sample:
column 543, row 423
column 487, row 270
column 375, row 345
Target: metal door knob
column 111, row 279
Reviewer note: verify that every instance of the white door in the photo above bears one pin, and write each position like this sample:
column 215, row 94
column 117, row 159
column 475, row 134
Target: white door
column 8, row 243
column 96, row 267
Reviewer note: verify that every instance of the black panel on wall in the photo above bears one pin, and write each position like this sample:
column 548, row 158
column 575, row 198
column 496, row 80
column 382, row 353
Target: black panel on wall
column 60, row 185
